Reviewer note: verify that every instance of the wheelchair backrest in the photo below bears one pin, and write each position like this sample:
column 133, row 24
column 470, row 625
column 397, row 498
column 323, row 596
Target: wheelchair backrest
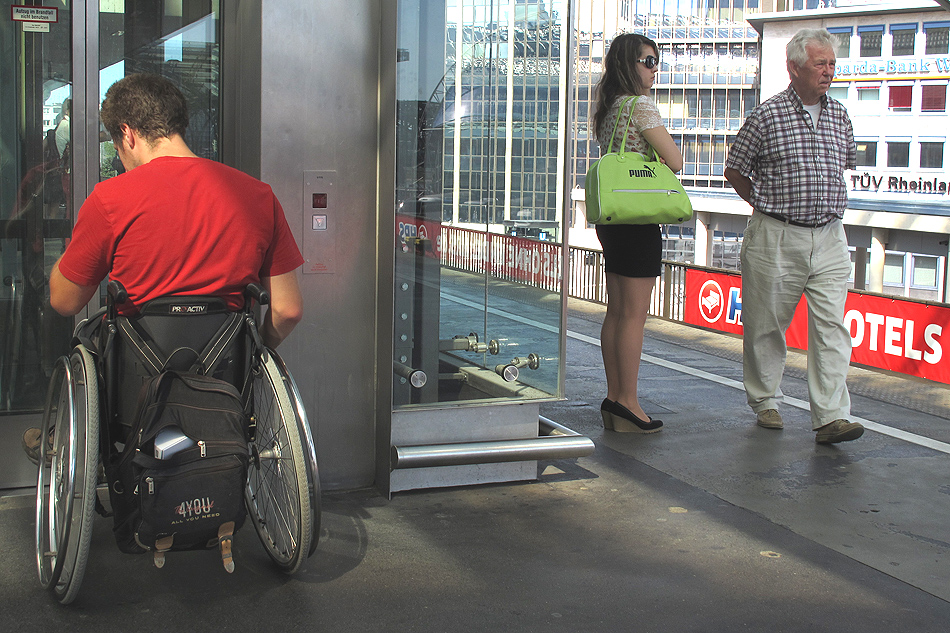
column 183, row 333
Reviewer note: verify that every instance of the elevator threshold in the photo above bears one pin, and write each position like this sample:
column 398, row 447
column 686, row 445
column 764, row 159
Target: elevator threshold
column 554, row 441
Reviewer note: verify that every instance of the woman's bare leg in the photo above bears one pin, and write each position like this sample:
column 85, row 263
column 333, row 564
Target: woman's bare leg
column 621, row 337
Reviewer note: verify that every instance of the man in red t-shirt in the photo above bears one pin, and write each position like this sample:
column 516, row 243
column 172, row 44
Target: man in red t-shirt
column 175, row 223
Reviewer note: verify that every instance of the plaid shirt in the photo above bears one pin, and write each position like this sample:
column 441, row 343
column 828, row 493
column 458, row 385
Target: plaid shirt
column 796, row 171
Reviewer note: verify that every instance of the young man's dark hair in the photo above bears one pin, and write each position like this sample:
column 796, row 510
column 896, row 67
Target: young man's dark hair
column 150, row 104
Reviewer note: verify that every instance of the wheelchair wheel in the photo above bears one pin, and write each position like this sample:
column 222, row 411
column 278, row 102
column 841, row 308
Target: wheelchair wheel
column 66, row 488
column 309, row 449
column 277, row 493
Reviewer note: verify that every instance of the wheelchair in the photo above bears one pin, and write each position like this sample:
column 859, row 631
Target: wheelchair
column 94, row 389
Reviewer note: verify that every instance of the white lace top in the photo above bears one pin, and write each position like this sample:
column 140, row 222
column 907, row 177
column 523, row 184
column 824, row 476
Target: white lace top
column 646, row 116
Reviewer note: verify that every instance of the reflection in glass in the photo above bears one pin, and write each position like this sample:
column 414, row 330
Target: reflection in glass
column 479, row 200
column 173, row 39
column 902, row 41
column 871, row 43
column 867, row 153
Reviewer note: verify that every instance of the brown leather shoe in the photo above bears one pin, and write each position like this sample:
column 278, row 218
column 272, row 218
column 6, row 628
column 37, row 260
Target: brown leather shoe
column 769, row 419
column 839, row 431
column 31, row 445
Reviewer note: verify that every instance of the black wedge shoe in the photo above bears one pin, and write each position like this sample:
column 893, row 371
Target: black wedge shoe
column 624, row 421
column 605, row 408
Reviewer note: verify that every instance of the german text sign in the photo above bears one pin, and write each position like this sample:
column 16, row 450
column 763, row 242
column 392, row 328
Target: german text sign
column 19, row 13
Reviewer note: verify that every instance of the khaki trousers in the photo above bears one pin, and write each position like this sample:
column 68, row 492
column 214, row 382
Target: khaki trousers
column 780, row 263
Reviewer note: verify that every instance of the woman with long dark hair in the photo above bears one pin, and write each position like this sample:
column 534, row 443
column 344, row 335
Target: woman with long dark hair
column 632, row 252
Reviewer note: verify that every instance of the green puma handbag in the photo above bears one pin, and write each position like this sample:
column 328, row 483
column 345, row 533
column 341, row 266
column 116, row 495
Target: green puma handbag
column 628, row 188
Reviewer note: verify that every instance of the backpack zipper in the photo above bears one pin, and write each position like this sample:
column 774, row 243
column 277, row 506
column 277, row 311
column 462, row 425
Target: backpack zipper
column 150, row 481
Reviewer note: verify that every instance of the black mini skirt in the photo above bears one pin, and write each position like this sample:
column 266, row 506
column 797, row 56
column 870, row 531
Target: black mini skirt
column 631, row 250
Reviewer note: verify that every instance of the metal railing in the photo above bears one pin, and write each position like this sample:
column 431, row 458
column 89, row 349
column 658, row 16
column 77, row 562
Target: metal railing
column 538, row 264
column 588, row 282
column 586, row 279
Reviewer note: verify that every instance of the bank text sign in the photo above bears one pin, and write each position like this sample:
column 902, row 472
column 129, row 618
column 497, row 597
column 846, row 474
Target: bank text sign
column 897, row 67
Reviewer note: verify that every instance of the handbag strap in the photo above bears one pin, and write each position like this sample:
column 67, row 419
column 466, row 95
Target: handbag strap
column 623, row 145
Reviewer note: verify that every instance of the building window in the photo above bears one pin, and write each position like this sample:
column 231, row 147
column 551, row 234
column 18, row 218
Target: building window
column 869, row 94
column 843, row 37
column 871, row 38
column 838, row 92
column 937, row 38
column 931, row 155
column 898, row 154
column 902, row 39
column 933, row 98
column 867, row 153
column 900, row 97
column 924, row 271
column 893, row 269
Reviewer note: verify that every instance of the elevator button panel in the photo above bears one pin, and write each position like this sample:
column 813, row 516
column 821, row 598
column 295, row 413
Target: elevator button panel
column 320, row 222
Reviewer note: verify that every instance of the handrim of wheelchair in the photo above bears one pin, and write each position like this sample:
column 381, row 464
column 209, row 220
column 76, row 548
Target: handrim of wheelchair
column 282, row 489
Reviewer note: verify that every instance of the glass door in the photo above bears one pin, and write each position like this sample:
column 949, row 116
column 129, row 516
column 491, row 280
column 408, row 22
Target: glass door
column 53, row 57
column 35, row 184
column 175, row 38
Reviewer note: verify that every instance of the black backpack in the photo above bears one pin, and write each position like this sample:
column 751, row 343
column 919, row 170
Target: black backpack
column 178, row 483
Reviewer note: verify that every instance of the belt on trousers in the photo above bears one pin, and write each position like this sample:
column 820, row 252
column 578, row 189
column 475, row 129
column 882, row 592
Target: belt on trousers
column 807, row 225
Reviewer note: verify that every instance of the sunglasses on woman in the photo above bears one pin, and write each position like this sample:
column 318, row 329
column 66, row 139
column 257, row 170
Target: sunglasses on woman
column 650, row 62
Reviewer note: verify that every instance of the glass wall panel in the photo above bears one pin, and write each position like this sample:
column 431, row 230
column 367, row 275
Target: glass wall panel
column 894, row 269
column 479, row 200
column 838, row 92
column 900, row 97
column 35, row 176
column 842, row 38
column 175, row 38
column 924, row 271
column 933, row 98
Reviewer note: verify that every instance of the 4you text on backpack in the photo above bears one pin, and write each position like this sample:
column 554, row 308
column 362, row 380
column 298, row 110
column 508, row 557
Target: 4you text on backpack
column 178, row 483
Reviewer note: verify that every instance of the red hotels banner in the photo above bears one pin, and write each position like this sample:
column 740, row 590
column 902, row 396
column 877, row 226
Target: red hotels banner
column 887, row 333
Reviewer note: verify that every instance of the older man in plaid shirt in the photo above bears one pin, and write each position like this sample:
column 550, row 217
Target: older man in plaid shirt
column 788, row 162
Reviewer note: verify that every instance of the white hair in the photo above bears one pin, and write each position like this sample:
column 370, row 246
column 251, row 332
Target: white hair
column 795, row 49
